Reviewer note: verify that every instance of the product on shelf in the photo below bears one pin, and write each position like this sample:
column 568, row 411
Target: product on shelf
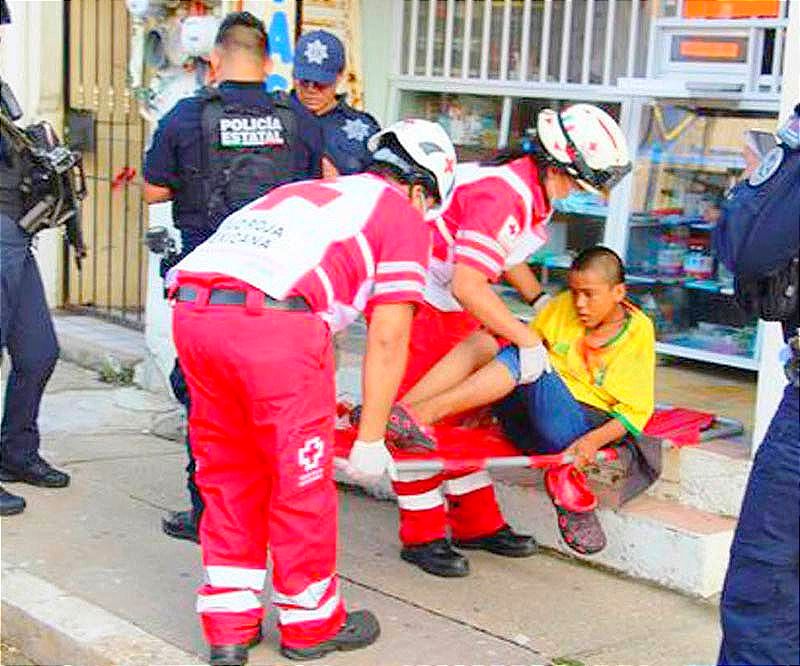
column 698, row 262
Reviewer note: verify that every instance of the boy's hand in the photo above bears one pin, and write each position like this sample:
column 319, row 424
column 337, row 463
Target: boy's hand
column 584, row 452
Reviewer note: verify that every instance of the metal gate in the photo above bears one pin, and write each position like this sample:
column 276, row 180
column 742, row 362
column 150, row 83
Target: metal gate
column 113, row 280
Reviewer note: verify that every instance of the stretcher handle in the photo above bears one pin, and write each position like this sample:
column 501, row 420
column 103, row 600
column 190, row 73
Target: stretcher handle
column 498, row 463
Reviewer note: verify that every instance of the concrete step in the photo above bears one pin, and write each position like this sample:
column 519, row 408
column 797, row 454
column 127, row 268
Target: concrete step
column 94, row 343
column 118, row 353
column 711, row 477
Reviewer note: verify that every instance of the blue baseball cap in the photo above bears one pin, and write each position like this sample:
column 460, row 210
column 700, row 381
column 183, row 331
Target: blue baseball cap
column 318, row 56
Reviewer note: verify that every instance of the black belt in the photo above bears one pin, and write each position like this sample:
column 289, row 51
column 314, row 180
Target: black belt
column 238, row 297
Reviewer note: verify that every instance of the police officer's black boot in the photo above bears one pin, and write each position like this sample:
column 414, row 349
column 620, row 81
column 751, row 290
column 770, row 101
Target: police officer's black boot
column 181, row 525
column 10, row 504
column 38, row 473
column 437, row 558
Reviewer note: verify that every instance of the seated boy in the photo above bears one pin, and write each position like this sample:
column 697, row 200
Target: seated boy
column 600, row 389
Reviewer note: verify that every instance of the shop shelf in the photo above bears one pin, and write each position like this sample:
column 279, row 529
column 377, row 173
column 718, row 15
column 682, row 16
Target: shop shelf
column 639, row 220
column 635, row 278
column 693, row 162
column 680, row 351
column 711, row 286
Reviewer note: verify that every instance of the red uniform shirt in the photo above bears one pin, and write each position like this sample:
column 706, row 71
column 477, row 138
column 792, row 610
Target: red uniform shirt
column 346, row 245
column 495, row 220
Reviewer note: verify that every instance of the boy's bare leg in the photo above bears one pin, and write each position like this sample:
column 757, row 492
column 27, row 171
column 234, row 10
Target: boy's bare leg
column 455, row 366
column 492, row 382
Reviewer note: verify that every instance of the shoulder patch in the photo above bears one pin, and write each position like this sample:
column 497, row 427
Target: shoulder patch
column 356, row 129
column 768, row 167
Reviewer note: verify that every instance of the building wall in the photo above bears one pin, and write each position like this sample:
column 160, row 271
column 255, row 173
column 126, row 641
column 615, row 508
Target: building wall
column 35, row 72
column 377, row 30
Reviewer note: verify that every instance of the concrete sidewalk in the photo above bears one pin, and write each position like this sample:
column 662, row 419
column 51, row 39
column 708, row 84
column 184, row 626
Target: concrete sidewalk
column 88, row 577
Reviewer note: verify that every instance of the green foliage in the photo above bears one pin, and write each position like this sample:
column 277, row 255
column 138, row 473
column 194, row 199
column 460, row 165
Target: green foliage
column 114, row 372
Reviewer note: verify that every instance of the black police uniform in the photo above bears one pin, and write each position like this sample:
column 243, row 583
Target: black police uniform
column 181, row 157
column 345, row 132
column 758, row 238
column 26, row 330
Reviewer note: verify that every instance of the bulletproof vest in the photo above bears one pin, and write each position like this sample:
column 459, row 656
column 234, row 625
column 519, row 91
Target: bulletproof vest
column 247, row 151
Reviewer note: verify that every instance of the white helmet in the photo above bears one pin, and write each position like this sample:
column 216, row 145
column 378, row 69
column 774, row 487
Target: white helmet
column 586, row 142
column 421, row 149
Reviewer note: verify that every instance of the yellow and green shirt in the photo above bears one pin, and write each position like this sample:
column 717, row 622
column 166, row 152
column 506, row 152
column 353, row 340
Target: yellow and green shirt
column 617, row 377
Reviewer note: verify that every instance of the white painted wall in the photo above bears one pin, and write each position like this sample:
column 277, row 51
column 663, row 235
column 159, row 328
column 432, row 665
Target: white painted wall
column 32, row 63
column 377, row 32
column 158, row 314
column 771, row 379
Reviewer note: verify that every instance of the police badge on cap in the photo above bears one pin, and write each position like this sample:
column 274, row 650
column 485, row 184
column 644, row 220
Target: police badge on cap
column 318, row 57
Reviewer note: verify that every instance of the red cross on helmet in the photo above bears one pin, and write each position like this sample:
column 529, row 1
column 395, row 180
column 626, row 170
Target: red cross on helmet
column 420, row 147
column 586, row 142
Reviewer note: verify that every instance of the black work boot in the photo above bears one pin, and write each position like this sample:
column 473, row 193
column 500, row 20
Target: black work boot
column 232, row 655
column 38, row 473
column 437, row 558
column 505, row 542
column 181, row 525
column 10, row 504
column 360, row 629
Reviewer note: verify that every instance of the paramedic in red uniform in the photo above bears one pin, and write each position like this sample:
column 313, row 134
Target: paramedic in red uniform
column 255, row 309
column 494, row 222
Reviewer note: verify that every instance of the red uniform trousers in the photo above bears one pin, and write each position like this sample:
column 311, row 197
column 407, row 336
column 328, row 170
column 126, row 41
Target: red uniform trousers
column 471, row 510
column 262, row 415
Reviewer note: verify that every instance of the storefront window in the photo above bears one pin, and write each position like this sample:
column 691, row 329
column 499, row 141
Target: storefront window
column 472, row 121
column 686, row 160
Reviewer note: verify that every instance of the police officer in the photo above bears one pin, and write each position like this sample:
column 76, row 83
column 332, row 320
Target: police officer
column 26, row 330
column 757, row 238
column 216, row 151
column 318, row 69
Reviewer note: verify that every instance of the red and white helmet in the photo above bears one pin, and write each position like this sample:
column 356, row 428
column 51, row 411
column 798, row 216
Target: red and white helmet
column 587, row 143
column 422, row 149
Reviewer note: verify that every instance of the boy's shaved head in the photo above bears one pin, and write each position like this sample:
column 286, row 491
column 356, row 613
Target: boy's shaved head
column 602, row 260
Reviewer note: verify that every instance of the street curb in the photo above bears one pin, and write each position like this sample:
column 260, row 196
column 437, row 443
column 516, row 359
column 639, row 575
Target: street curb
column 50, row 626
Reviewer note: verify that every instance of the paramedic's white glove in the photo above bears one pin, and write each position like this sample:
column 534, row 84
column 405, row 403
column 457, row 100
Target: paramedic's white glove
column 538, row 303
column 369, row 459
column 533, row 361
